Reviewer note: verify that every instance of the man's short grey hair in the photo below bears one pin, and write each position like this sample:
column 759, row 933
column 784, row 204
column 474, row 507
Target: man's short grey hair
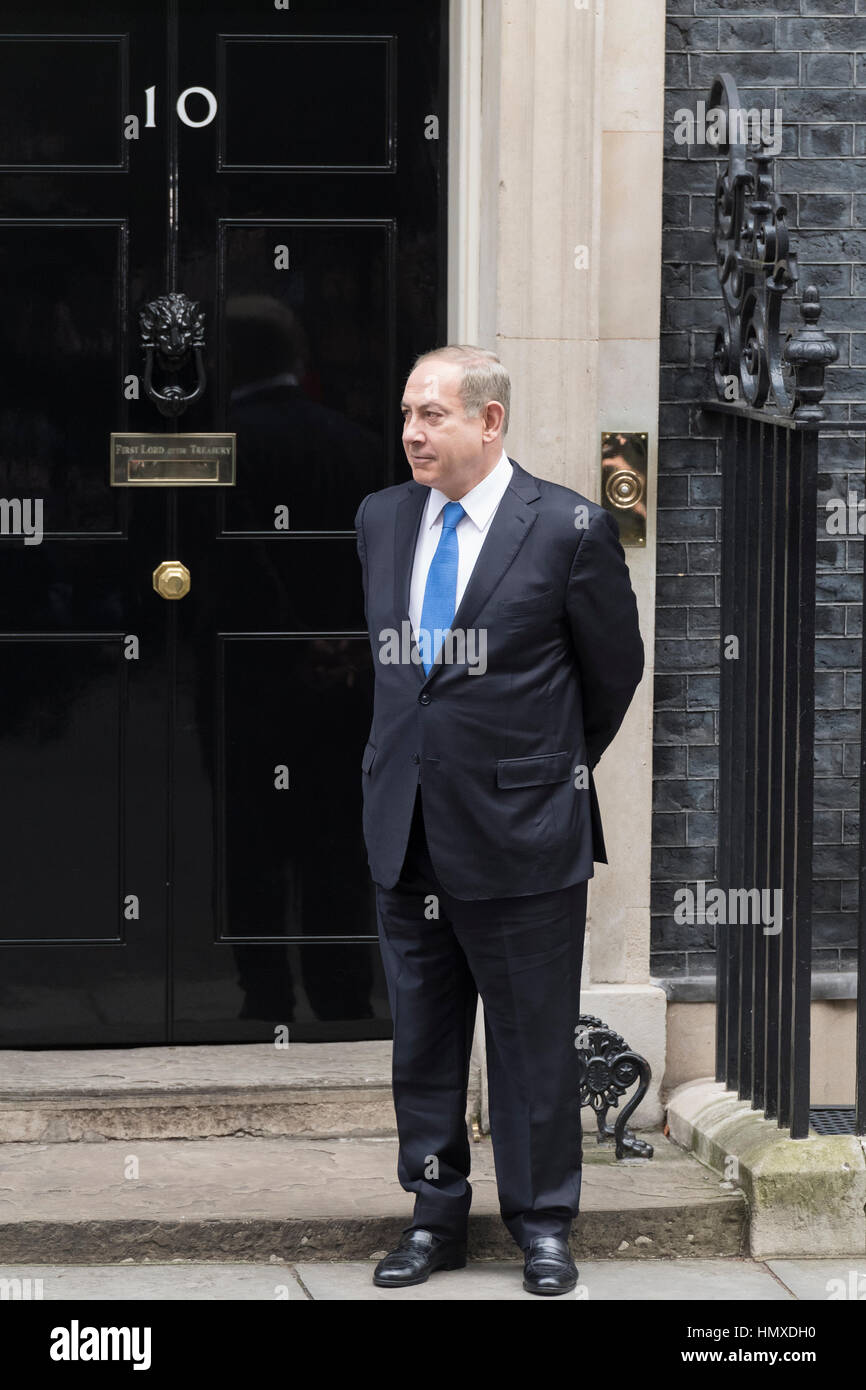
column 483, row 377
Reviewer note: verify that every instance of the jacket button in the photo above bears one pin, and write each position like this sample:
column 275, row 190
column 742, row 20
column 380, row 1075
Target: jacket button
column 416, row 758
column 424, row 699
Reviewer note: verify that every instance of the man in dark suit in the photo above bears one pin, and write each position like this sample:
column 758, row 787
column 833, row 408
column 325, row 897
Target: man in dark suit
column 506, row 649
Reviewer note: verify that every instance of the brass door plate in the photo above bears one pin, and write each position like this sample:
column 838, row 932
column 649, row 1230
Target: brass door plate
column 624, row 482
column 173, row 460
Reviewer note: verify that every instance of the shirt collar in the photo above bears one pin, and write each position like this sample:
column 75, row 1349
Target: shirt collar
column 481, row 502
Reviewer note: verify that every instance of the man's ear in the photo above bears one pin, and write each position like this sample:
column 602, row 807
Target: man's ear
column 494, row 414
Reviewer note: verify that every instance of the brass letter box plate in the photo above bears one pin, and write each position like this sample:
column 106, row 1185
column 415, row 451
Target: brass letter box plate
column 173, row 460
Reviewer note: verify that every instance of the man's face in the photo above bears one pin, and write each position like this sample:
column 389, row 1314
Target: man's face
column 444, row 448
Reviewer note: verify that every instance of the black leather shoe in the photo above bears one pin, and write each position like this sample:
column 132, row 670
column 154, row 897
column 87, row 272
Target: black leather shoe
column 417, row 1255
column 548, row 1266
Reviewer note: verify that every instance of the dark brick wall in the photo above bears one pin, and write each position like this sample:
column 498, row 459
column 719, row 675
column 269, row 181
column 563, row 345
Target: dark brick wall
column 807, row 58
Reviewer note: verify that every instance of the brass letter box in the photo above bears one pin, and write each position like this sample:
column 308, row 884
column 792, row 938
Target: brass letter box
column 173, row 460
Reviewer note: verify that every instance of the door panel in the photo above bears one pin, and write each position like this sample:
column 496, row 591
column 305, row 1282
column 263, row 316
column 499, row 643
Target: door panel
column 63, row 732
column 188, row 771
column 83, row 748
column 61, row 337
column 285, row 100
column 36, row 116
column 313, row 446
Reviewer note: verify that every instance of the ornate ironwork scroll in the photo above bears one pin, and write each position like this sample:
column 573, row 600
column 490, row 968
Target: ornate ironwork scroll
column 172, row 328
column 608, row 1069
column 756, row 266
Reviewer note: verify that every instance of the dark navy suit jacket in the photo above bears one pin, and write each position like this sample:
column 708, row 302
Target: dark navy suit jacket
column 498, row 752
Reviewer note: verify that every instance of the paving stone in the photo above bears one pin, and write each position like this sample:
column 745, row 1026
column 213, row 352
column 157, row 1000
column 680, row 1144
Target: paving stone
column 657, row 1281
column 831, row 1279
column 180, row 1282
column 599, row 1281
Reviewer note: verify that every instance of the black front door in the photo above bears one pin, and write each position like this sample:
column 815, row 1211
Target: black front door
column 181, row 850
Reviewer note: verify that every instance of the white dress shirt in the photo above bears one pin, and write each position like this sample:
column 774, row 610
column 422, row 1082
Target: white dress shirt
column 480, row 507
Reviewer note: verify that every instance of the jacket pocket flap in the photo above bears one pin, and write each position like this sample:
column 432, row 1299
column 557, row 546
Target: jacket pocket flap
column 367, row 759
column 533, row 772
column 529, row 602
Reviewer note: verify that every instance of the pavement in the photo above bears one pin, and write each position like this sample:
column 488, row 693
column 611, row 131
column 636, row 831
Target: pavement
column 686, row 1280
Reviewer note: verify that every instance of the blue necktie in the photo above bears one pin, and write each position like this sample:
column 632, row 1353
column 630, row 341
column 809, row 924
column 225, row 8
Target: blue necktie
column 440, row 594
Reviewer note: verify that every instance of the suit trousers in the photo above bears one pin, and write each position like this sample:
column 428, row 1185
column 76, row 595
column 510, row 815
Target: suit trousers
column 524, row 957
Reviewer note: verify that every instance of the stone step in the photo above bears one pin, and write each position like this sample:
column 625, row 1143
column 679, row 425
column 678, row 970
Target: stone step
column 309, row 1090
column 260, row 1199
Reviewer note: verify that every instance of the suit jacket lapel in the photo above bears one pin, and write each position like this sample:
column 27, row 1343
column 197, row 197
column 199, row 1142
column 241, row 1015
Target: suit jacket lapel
column 506, row 534
column 507, row 531
column 406, row 525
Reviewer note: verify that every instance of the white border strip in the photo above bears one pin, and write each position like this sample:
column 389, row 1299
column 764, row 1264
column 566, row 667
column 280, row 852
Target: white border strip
column 464, row 165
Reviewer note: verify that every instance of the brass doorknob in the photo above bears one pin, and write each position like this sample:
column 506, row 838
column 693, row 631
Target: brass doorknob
column 171, row 579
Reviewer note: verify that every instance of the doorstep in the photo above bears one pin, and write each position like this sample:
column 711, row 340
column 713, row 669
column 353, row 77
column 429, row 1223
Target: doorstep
column 806, row 1196
column 312, row 1090
column 253, row 1199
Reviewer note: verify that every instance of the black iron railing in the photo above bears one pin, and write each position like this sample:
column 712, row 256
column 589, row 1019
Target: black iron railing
column 766, row 743
column 769, row 386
